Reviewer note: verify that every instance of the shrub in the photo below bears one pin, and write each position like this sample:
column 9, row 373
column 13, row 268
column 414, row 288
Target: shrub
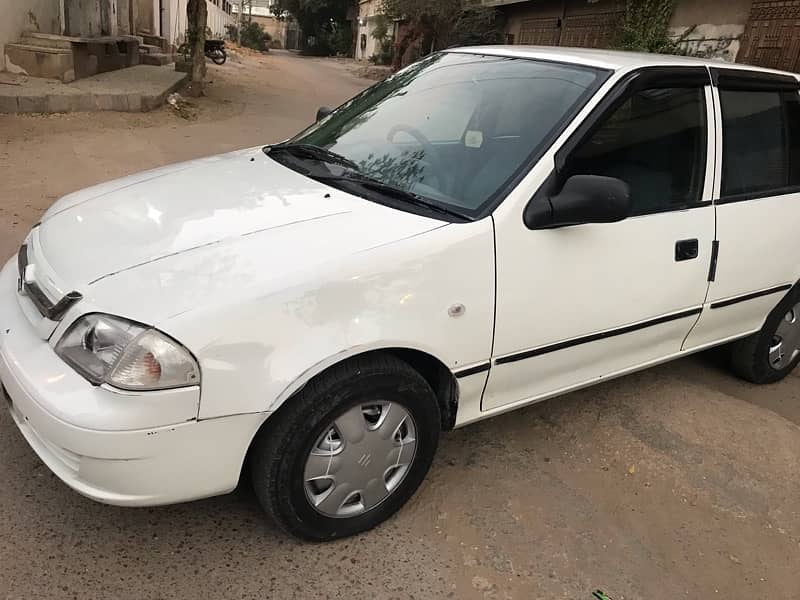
column 253, row 35
column 385, row 52
column 232, row 31
column 342, row 41
column 646, row 28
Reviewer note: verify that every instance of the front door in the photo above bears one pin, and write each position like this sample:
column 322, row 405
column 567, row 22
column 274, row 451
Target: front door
column 579, row 303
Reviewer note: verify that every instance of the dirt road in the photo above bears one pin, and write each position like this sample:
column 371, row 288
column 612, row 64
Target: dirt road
column 678, row 482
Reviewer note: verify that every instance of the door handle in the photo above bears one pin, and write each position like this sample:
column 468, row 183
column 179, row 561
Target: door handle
column 686, row 250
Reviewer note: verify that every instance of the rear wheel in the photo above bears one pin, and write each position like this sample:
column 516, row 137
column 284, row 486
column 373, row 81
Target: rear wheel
column 772, row 353
column 349, row 450
column 219, row 56
column 185, row 51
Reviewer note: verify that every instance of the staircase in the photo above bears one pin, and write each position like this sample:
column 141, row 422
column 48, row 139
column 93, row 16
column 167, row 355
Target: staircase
column 41, row 55
column 152, row 50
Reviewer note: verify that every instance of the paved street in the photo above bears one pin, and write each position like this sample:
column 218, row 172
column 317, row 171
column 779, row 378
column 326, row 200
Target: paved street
column 678, row 482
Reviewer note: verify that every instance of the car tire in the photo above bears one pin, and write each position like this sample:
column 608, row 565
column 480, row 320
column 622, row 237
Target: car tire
column 321, row 423
column 761, row 357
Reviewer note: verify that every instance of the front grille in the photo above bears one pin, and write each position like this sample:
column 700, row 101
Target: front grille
column 46, row 308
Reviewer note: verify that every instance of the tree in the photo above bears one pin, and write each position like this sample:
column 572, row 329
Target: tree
column 437, row 24
column 646, row 28
column 196, row 19
column 324, row 20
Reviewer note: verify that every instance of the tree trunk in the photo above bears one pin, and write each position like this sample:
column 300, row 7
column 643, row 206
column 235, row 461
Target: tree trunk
column 196, row 19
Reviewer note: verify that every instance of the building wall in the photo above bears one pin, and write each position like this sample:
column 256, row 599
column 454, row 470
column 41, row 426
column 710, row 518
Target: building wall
column 711, row 28
column 174, row 20
column 146, row 17
column 273, row 26
column 17, row 16
column 517, row 14
column 368, row 15
column 716, row 12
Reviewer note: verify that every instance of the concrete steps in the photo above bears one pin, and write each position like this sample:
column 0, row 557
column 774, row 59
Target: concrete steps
column 45, row 40
column 150, row 54
column 156, row 58
column 137, row 89
column 154, row 40
column 40, row 61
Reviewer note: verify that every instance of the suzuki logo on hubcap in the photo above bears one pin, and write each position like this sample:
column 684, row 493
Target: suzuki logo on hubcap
column 365, row 459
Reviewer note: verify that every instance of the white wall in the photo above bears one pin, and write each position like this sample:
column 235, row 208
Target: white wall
column 217, row 19
column 17, row 16
column 175, row 18
column 368, row 13
column 711, row 41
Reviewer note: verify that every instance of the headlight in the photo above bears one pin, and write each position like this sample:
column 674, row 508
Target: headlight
column 127, row 355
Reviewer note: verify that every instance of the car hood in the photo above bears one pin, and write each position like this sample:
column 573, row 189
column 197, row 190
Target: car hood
column 125, row 224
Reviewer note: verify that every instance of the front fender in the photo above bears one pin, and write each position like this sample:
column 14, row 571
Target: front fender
column 333, row 359
column 255, row 353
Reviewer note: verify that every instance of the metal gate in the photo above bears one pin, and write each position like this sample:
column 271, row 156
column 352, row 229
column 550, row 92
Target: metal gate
column 539, row 32
column 581, row 24
column 593, row 30
column 772, row 35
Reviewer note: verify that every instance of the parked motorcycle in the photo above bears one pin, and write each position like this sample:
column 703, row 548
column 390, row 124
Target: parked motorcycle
column 214, row 49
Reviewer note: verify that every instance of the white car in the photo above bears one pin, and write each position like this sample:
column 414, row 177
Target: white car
column 487, row 228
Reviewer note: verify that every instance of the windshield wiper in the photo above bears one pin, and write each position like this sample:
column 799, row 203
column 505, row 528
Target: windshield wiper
column 378, row 186
column 314, row 152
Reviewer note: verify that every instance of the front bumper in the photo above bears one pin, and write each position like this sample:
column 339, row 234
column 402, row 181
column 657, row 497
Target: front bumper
column 140, row 466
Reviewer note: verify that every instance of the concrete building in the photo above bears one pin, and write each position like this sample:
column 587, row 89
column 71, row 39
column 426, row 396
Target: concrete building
column 173, row 18
column 762, row 32
column 69, row 39
column 283, row 29
column 368, row 16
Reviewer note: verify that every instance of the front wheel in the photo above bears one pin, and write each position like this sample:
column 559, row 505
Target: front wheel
column 772, row 353
column 348, row 450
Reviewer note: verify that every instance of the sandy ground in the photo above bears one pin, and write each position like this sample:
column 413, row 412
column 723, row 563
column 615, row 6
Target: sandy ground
column 678, row 482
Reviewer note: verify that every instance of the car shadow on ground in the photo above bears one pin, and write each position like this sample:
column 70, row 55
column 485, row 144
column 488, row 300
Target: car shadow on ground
column 621, row 460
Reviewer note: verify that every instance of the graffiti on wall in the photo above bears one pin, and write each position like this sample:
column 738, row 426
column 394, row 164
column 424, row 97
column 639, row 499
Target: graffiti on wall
column 710, row 41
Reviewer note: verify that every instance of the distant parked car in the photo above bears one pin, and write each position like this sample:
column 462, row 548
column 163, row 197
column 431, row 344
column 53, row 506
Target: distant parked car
column 485, row 229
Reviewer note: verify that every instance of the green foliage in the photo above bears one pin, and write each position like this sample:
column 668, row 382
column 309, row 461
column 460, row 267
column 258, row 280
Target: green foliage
column 477, row 26
column 232, row 31
column 342, row 40
column 254, row 36
column 646, row 28
column 385, row 52
column 320, row 20
column 380, row 30
column 439, row 24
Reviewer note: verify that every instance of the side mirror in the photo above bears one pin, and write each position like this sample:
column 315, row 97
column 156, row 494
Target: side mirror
column 323, row 112
column 583, row 199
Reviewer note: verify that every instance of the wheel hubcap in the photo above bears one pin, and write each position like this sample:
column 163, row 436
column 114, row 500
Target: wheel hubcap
column 786, row 342
column 360, row 459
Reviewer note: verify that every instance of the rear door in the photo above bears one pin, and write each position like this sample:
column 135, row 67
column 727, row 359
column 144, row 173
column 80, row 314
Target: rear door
column 757, row 247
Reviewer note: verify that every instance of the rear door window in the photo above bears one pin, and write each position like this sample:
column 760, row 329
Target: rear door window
column 761, row 142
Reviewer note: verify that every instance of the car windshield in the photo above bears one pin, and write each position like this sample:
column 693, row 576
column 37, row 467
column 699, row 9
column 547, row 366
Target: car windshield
column 452, row 129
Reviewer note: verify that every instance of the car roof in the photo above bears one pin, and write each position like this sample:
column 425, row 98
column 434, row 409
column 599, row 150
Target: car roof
column 615, row 60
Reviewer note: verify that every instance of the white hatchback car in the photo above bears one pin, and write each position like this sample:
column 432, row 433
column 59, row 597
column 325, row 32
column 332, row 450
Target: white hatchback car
column 487, row 228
